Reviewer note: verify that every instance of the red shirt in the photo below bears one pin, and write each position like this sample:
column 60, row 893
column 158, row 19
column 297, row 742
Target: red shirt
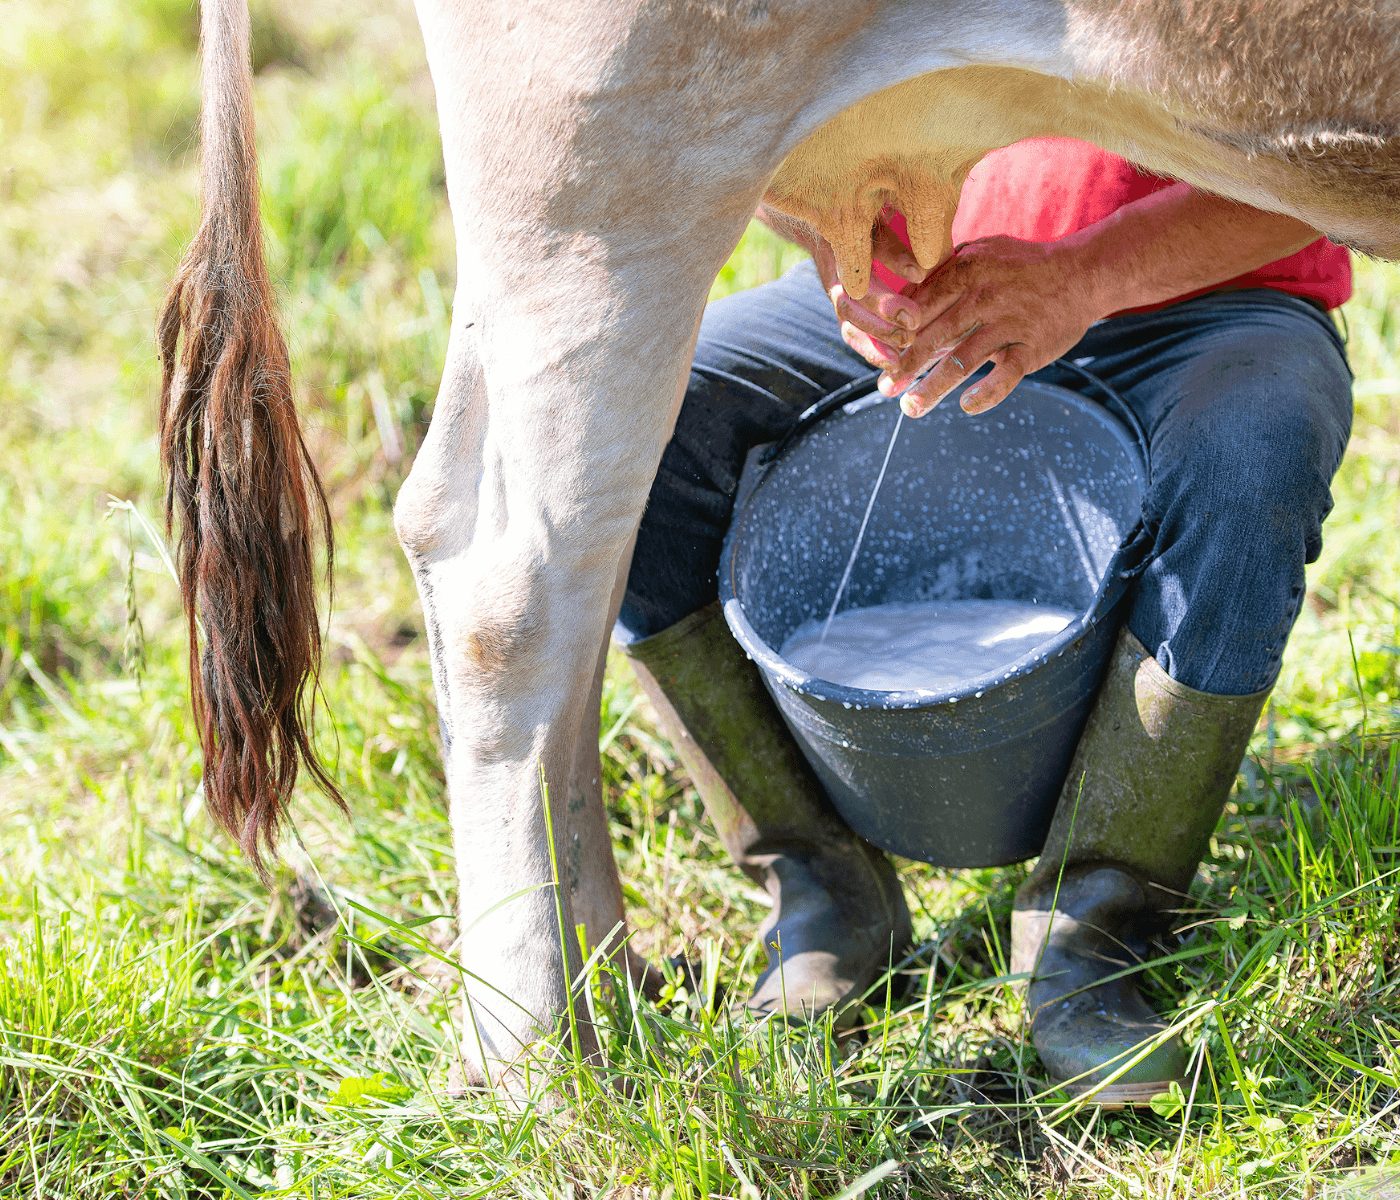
column 1045, row 188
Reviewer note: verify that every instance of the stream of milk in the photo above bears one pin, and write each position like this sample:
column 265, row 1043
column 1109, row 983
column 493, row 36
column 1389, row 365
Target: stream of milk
column 864, row 521
column 927, row 646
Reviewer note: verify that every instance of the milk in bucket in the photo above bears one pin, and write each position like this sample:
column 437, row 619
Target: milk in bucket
column 930, row 646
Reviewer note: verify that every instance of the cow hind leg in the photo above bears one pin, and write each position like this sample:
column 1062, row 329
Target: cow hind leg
column 517, row 518
column 509, row 738
column 589, row 867
column 594, row 198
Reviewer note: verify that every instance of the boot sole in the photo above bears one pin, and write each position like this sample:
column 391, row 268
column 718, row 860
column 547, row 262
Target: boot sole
column 1115, row 1096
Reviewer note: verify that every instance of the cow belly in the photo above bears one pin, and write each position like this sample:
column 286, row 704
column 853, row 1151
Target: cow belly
column 911, row 146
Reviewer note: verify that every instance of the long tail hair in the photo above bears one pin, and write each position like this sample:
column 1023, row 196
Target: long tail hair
column 241, row 487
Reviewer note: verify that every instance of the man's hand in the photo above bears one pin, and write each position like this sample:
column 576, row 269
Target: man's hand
column 1018, row 305
column 880, row 325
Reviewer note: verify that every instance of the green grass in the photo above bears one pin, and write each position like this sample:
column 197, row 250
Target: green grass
column 170, row 1028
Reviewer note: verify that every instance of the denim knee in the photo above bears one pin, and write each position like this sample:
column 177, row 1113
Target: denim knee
column 1240, row 485
column 1258, row 471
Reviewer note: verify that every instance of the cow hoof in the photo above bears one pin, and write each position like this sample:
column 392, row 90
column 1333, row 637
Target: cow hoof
column 515, row 1089
column 458, row 1085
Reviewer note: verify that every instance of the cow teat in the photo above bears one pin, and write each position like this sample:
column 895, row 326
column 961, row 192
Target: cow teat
column 849, row 234
column 927, row 203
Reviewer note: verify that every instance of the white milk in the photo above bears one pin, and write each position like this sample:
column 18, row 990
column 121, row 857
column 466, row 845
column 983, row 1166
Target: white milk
column 927, row 646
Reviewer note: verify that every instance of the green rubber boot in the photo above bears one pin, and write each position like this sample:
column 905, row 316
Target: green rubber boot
column 839, row 918
column 1146, row 788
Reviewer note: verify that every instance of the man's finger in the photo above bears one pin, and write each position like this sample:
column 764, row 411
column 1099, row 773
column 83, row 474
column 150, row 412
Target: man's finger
column 825, row 262
column 876, row 353
column 868, row 319
column 944, row 287
column 939, row 334
column 955, row 366
column 986, row 394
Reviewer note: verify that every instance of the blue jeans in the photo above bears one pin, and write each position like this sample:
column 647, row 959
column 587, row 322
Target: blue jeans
column 1245, row 397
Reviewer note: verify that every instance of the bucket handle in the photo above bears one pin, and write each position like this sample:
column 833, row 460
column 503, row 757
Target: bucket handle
column 1108, row 396
column 1134, row 552
column 861, row 384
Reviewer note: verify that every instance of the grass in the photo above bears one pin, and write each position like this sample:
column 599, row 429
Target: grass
column 170, row 1028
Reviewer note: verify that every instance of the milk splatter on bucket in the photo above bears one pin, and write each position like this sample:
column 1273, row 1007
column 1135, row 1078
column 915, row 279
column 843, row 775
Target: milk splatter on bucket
column 926, row 646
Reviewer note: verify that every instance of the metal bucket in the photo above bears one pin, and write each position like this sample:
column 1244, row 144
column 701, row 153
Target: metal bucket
column 1040, row 499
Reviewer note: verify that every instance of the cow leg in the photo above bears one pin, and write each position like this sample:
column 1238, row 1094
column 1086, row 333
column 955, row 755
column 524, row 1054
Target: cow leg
column 565, row 373
column 602, row 161
column 587, row 863
column 517, row 595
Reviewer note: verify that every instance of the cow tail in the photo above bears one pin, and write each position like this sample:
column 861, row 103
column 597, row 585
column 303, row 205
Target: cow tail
column 241, row 488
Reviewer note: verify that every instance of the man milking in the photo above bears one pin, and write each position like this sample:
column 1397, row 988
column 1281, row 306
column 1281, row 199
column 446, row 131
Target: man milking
column 1210, row 320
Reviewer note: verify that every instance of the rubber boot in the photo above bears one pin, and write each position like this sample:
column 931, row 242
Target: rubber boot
column 839, row 918
column 1146, row 788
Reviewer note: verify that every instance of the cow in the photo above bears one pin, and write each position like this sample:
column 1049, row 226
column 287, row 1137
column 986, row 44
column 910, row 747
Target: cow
column 603, row 158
